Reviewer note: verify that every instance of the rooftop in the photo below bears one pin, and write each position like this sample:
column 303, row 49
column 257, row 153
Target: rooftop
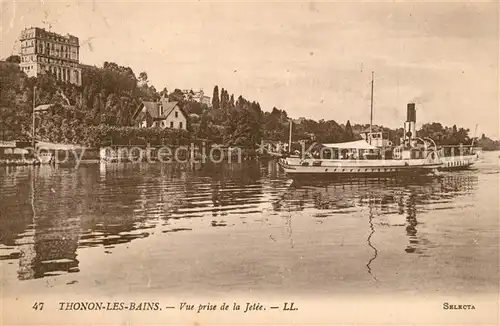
column 67, row 36
column 153, row 108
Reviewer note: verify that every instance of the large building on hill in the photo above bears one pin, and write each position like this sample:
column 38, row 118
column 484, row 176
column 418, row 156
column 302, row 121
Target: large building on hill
column 48, row 52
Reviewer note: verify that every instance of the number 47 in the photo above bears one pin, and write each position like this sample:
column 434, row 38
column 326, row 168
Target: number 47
column 38, row 306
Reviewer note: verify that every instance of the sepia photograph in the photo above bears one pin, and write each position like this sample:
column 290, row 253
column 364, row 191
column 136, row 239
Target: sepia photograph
column 249, row 162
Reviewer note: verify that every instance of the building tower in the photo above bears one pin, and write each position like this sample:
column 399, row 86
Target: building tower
column 47, row 52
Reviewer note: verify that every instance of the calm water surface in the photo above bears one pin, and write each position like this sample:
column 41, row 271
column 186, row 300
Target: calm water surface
column 246, row 227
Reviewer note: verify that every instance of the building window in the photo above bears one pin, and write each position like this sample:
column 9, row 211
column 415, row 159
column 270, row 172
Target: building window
column 171, row 124
column 176, row 114
column 180, row 124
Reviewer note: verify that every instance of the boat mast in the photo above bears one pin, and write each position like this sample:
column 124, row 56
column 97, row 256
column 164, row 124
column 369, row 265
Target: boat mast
column 474, row 138
column 371, row 111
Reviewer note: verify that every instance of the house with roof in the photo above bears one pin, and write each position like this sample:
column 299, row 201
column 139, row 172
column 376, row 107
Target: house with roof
column 162, row 114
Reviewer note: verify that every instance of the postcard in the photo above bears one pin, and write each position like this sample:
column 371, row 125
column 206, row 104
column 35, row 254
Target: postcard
column 249, row 163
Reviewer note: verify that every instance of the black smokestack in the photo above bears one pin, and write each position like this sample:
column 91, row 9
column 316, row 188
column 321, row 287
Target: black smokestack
column 411, row 113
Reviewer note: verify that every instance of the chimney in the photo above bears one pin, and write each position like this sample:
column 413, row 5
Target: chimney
column 411, row 114
column 410, row 124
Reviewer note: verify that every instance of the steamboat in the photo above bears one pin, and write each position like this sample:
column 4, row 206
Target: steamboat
column 375, row 155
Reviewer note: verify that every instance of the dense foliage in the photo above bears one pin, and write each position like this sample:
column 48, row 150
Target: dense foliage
column 445, row 135
column 15, row 107
column 100, row 112
column 108, row 97
column 488, row 144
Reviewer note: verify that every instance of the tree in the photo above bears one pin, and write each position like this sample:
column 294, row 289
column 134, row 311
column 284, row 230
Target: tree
column 231, row 101
column 445, row 135
column 245, row 129
column 176, row 96
column 275, row 125
column 224, row 99
column 349, row 135
column 164, row 92
column 13, row 59
column 203, row 130
column 488, row 144
column 215, row 98
column 143, row 78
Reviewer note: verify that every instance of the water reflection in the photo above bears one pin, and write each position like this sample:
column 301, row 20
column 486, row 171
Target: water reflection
column 368, row 240
column 385, row 200
column 48, row 214
column 288, row 223
column 48, row 245
column 411, row 226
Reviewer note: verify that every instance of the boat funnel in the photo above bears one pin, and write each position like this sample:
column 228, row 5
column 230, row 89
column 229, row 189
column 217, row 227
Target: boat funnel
column 411, row 113
column 410, row 124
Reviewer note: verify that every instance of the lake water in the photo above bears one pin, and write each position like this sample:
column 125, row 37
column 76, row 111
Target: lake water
column 114, row 229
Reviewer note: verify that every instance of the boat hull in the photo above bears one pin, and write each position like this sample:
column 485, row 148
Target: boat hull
column 365, row 168
column 458, row 162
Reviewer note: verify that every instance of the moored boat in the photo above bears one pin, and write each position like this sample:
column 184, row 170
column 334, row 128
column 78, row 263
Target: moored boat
column 458, row 157
column 375, row 155
column 359, row 158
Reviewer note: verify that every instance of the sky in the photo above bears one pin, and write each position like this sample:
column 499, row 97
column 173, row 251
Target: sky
column 313, row 59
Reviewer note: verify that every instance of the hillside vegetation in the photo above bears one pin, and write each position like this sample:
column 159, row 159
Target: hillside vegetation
column 100, row 112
